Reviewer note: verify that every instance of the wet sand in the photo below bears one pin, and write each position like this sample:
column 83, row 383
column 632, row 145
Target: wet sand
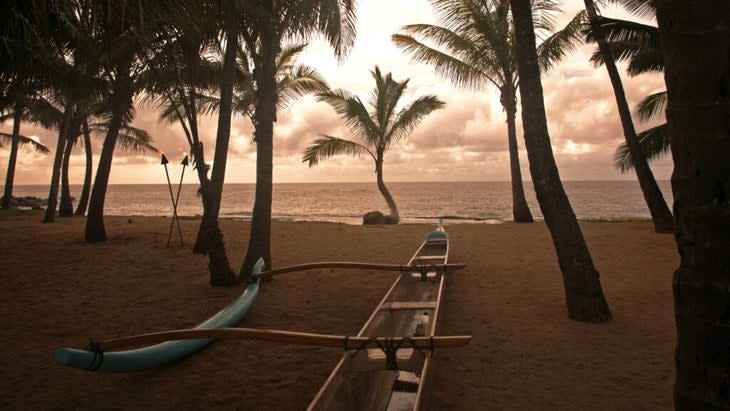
column 525, row 354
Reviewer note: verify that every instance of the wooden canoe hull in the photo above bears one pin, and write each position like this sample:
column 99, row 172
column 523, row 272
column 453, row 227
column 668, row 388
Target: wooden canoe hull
column 361, row 381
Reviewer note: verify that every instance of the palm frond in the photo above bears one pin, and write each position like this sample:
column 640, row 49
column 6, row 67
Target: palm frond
column 353, row 111
column 288, row 56
column 645, row 9
column 652, row 106
column 654, row 143
column 328, row 146
column 555, row 47
column 135, row 140
column 641, row 60
column 25, row 141
column 458, row 71
column 301, row 81
column 410, row 117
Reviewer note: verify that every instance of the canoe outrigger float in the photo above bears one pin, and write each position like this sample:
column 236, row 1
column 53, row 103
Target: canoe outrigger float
column 409, row 309
column 92, row 358
column 384, row 367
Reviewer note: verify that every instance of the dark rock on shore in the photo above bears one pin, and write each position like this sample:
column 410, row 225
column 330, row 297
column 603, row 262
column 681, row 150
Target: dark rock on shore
column 377, row 218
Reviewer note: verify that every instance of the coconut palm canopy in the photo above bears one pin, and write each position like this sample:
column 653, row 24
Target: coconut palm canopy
column 375, row 130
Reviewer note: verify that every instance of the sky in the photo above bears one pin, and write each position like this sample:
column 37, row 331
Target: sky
column 465, row 141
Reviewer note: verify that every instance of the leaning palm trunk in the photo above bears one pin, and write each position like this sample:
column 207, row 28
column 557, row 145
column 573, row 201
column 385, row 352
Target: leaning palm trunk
column 660, row 214
column 218, row 264
column 584, row 295
column 259, row 243
column 394, row 215
column 201, row 240
column 84, row 198
column 121, row 101
column 66, row 207
column 63, row 133
column 520, row 211
column 695, row 41
column 12, row 159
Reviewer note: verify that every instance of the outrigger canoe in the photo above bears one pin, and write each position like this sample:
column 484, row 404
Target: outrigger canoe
column 159, row 355
column 367, row 379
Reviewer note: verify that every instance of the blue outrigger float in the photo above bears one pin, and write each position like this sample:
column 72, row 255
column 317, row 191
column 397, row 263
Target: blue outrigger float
column 159, row 355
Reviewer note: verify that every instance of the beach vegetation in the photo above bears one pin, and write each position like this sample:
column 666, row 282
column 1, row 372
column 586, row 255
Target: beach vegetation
column 583, row 293
column 375, row 130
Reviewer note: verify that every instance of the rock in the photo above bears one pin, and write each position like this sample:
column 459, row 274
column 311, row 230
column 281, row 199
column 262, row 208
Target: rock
column 373, row 218
column 377, row 218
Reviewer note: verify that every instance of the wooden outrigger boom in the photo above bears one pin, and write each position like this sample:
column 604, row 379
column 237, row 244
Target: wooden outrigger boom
column 409, row 308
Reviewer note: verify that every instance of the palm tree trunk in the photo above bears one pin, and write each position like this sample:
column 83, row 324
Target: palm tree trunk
column 218, row 264
column 259, row 243
column 201, row 240
column 66, row 207
column 121, row 100
column 84, row 199
column 394, row 214
column 10, row 177
column 50, row 214
column 198, row 153
column 695, row 38
column 584, row 295
column 660, row 214
column 520, row 211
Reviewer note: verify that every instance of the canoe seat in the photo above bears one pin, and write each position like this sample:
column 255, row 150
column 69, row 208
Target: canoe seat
column 430, row 257
column 409, row 305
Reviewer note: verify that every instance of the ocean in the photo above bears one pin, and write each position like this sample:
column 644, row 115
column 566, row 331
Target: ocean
column 470, row 202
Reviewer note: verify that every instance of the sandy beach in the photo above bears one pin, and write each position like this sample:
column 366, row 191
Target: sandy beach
column 525, row 354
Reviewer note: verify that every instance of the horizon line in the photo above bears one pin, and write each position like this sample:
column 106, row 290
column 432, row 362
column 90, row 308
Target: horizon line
column 366, row 182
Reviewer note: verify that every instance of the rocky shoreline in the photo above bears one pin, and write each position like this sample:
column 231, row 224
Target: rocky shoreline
column 35, row 203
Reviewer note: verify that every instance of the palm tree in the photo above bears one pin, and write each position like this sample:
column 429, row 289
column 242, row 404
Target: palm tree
column 118, row 36
column 86, row 188
column 584, row 295
column 638, row 45
column 662, row 217
column 377, row 130
column 695, row 46
column 293, row 81
column 475, row 48
column 16, row 103
column 269, row 23
column 16, row 140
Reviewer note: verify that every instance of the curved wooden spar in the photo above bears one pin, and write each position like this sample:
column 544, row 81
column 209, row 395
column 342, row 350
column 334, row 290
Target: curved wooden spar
column 363, row 266
column 155, row 356
column 288, row 337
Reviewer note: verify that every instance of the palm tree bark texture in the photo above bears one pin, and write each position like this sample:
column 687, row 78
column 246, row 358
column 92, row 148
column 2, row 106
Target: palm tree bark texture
column 10, row 177
column 259, row 244
column 520, row 211
column 584, row 295
column 121, row 100
column 63, row 132
column 218, row 264
column 695, row 38
column 660, row 214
